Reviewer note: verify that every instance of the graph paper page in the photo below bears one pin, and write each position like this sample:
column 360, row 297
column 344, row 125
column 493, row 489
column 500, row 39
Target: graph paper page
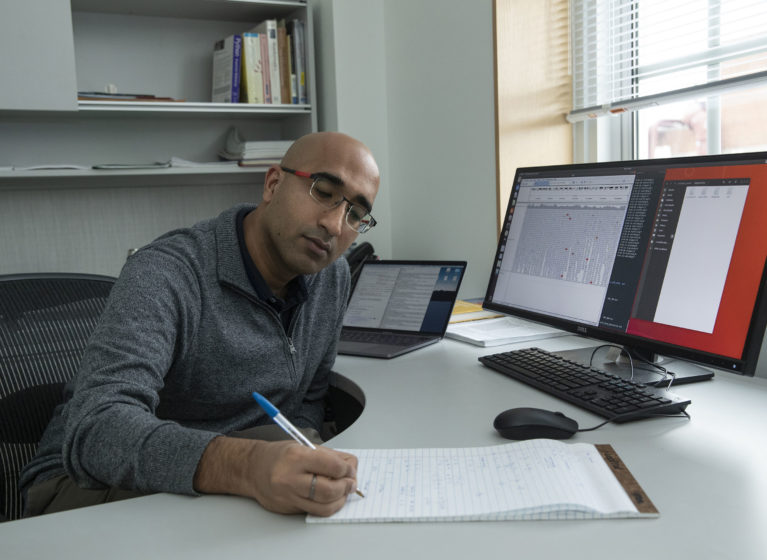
column 535, row 479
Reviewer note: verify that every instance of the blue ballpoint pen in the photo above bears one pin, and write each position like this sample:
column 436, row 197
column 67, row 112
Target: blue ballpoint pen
column 286, row 425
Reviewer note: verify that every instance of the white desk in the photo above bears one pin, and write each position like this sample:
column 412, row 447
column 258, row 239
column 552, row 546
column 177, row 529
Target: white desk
column 707, row 476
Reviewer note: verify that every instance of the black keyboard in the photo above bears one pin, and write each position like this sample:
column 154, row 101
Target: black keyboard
column 602, row 393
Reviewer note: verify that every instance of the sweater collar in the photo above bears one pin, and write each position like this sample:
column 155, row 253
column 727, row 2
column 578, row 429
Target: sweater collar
column 230, row 266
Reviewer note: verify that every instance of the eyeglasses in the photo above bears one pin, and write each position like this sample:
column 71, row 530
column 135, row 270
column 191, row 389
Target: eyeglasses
column 325, row 192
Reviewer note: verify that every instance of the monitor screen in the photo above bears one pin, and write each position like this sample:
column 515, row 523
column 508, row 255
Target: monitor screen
column 665, row 257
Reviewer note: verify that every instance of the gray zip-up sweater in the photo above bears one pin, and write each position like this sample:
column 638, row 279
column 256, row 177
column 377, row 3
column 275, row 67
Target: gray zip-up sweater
column 181, row 346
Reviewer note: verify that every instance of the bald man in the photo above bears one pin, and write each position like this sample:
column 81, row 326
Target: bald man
column 252, row 300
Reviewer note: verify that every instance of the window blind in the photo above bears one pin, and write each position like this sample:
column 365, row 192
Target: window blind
column 631, row 54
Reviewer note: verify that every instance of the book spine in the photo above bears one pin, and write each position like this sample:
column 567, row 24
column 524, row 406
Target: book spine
column 284, row 50
column 274, row 60
column 290, row 29
column 265, row 69
column 236, row 66
column 292, row 71
column 225, row 83
column 252, row 73
column 300, row 60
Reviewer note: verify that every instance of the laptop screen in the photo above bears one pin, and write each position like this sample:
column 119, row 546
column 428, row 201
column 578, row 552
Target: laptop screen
column 409, row 296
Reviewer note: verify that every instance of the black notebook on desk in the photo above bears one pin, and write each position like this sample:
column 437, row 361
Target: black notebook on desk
column 399, row 306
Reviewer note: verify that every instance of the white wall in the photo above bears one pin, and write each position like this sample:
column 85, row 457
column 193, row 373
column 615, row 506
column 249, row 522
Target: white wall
column 352, row 91
column 414, row 80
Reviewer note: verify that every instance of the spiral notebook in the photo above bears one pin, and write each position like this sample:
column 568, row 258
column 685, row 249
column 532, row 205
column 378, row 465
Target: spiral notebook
column 534, row 479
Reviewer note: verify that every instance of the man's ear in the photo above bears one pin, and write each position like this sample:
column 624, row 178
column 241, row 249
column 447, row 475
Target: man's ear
column 271, row 182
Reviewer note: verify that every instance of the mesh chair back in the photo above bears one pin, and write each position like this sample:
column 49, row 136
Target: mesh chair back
column 45, row 323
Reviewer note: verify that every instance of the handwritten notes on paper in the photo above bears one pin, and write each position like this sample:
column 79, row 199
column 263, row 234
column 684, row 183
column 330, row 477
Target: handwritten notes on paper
column 535, row 479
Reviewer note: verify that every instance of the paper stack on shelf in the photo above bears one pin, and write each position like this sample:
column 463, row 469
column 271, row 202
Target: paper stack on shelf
column 172, row 162
column 112, row 96
column 266, row 152
column 179, row 162
column 45, row 167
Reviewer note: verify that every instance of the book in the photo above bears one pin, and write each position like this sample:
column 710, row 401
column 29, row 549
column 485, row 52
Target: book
column 227, row 55
column 252, row 69
column 236, row 148
column 293, row 82
column 533, row 479
column 500, row 330
column 296, row 29
column 102, row 96
column 143, row 165
column 265, row 74
column 271, row 66
column 283, row 44
column 259, row 162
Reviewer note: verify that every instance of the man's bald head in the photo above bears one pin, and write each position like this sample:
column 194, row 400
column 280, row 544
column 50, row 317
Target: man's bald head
column 311, row 150
column 292, row 232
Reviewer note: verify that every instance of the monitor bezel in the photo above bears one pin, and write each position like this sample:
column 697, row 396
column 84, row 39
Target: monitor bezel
column 744, row 365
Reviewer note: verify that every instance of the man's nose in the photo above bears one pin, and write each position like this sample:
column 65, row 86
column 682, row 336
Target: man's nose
column 333, row 220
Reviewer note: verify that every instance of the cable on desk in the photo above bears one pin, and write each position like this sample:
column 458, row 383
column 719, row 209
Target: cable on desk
column 684, row 413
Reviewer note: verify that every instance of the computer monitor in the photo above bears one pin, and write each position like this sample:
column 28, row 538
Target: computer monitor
column 664, row 257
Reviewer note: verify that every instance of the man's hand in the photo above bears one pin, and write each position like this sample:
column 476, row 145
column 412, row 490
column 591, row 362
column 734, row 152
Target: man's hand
column 278, row 474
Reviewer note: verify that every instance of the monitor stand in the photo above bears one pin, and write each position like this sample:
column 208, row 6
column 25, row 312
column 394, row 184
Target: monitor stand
column 607, row 359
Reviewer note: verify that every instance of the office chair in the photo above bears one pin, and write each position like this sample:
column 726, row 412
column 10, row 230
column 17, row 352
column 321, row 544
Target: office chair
column 45, row 323
column 355, row 256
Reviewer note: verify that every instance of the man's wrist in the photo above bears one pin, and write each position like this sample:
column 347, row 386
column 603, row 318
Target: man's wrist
column 223, row 466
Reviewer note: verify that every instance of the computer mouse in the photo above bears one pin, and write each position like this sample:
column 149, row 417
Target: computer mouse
column 529, row 423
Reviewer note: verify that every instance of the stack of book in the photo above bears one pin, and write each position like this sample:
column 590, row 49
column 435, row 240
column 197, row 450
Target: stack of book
column 253, row 153
column 263, row 65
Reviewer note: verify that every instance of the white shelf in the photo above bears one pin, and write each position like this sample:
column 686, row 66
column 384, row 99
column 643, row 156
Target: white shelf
column 192, row 108
column 160, row 171
column 232, row 10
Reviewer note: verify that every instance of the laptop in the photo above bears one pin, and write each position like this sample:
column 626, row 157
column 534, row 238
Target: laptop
column 399, row 306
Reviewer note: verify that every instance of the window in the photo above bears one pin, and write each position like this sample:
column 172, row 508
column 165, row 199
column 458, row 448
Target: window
column 653, row 78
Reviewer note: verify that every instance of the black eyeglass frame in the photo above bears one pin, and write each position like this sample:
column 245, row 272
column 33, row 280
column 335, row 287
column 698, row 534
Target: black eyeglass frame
column 366, row 225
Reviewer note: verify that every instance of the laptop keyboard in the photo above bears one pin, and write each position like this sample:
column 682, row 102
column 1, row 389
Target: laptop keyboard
column 393, row 339
column 595, row 390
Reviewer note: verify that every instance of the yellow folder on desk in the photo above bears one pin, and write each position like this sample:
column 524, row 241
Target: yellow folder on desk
column 467, row 311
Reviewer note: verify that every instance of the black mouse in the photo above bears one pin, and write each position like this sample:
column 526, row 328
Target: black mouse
column 529, row 423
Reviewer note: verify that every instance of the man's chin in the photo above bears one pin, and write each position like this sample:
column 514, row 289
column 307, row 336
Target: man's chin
column 312, row 263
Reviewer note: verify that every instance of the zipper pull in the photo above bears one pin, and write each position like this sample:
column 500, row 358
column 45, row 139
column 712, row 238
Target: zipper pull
column 292, row 348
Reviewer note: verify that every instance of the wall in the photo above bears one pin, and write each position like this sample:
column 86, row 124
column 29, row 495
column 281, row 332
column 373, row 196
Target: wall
column 71, row 228
column 415, row 79
column 352, row 91
column 441, row 132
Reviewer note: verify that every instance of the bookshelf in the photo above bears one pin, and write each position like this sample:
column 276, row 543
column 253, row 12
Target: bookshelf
column 162, row 47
